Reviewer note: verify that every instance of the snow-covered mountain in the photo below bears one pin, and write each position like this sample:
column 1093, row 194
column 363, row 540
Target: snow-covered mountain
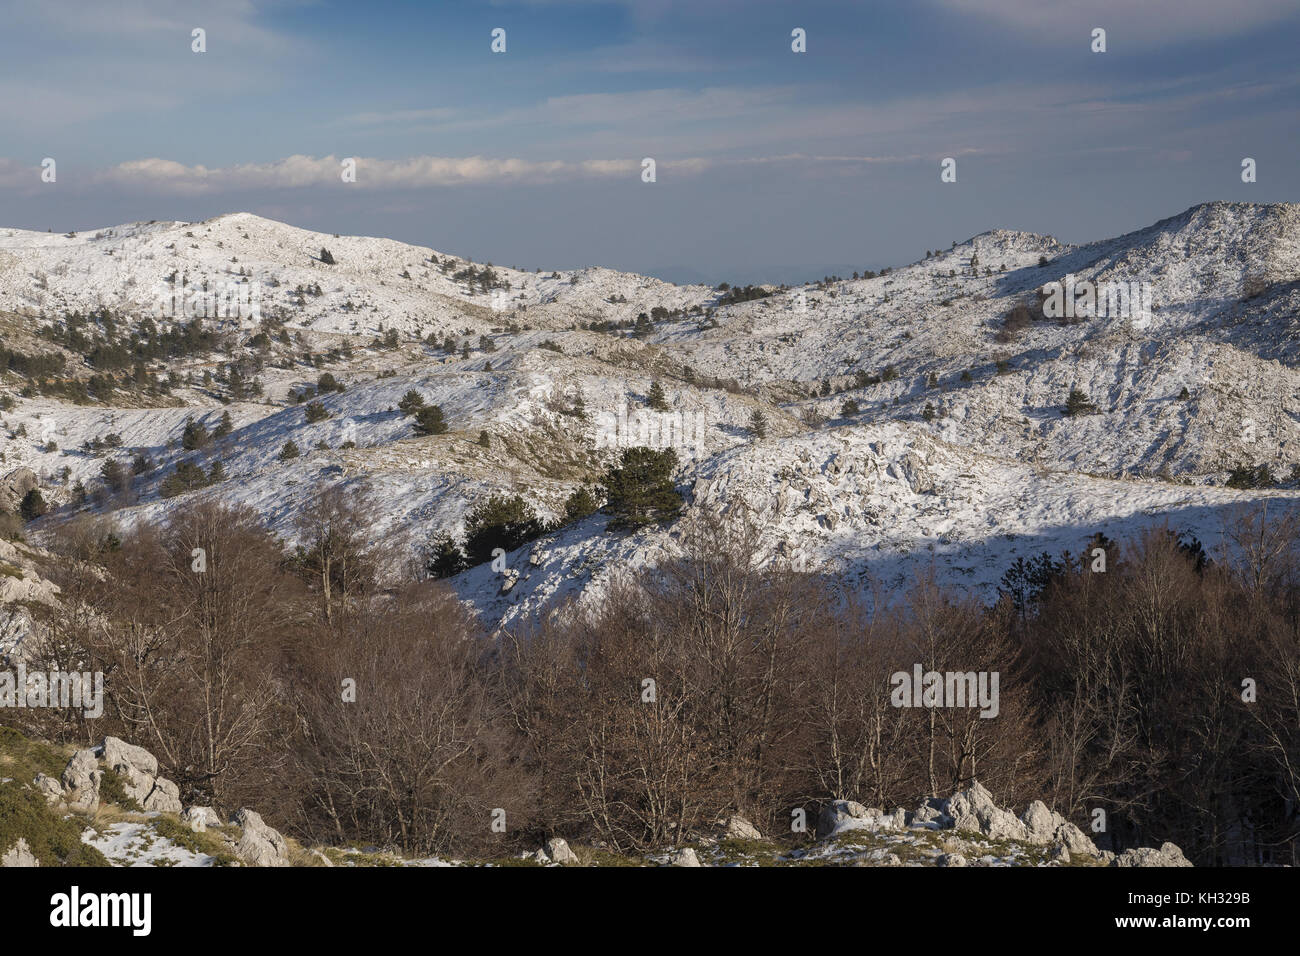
column 958, row 453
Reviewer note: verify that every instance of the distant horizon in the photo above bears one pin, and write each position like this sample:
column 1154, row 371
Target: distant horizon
column 680, row 273
column 787, row 139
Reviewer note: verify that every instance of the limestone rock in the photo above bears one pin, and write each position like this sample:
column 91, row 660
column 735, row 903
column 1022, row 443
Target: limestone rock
column 165, row 797
column 557, row 848
column 80, row 781
column 684, row 857
column 19, row 854
column 840, row 815
column 49, row 788
column 259, row 844
column 736, row 827
column 119, row 756
column 973, row 809
column 200, row 818
column 1167, row 855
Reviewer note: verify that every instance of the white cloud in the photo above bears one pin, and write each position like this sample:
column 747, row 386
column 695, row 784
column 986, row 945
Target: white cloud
column 167, row 177
column 295, row 172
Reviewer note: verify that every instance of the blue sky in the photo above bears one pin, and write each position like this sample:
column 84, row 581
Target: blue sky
column 770, row 164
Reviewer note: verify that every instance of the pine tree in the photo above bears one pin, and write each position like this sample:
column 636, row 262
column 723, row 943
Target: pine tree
column 195, row 436
column 429, row 421
column 445, row 557
column 326, row 257
column 499, row 522
column 640, row 490
column 224, row 427
column 114, row 475
column 33, row 505
column 289, row 451
column 1077, row 404
column 579, row 505
column 656, row 398
column 411, row 402
column 758, row 424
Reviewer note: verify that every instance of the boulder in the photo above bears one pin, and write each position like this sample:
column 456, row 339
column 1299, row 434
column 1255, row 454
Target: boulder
column 138, row 769
column 49, row 788
column 1044, row 827
column 557, row 848
column 683, row 857
column 930, row 816
column 973, row 809
column 200, row 818
column 840, row 815
column 14, row 487
column 259, row 844
column 121, row 756
column 736, row 827
column 19, row 854
column 80, row 781
column 1167, row 855
column 165, row 797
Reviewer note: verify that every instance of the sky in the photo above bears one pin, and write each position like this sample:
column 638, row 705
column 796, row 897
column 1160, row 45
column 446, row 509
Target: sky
column 770, row 164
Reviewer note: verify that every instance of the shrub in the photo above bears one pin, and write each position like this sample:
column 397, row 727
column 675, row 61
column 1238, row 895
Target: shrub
column 444, row 557
column 33, row 505
column 195, row 436
column 429, row 421
column 316, row 412
column 655, row 398
column 580, row 504
column 411, row 402
column 640, row 491
column 849, row 409
column 1077, row 404
column 289, row 451
column 1246, row 477
column 499, row 522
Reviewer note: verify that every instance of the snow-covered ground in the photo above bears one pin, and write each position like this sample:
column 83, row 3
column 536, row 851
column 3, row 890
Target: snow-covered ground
column 959, row 457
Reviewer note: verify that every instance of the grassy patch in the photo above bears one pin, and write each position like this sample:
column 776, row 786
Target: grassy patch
column 53, row 840
column 737, row 850
column 23, row 759
column 209, row 843
column 594, row 856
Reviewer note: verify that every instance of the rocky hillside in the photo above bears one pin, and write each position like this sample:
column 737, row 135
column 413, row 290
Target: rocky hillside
column 908, row 421
column 109, row 806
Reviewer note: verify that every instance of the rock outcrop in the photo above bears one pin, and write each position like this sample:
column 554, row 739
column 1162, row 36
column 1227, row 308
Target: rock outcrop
column 974, row 811
column 19, row 855
column 557, row 848
column 259, row 844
